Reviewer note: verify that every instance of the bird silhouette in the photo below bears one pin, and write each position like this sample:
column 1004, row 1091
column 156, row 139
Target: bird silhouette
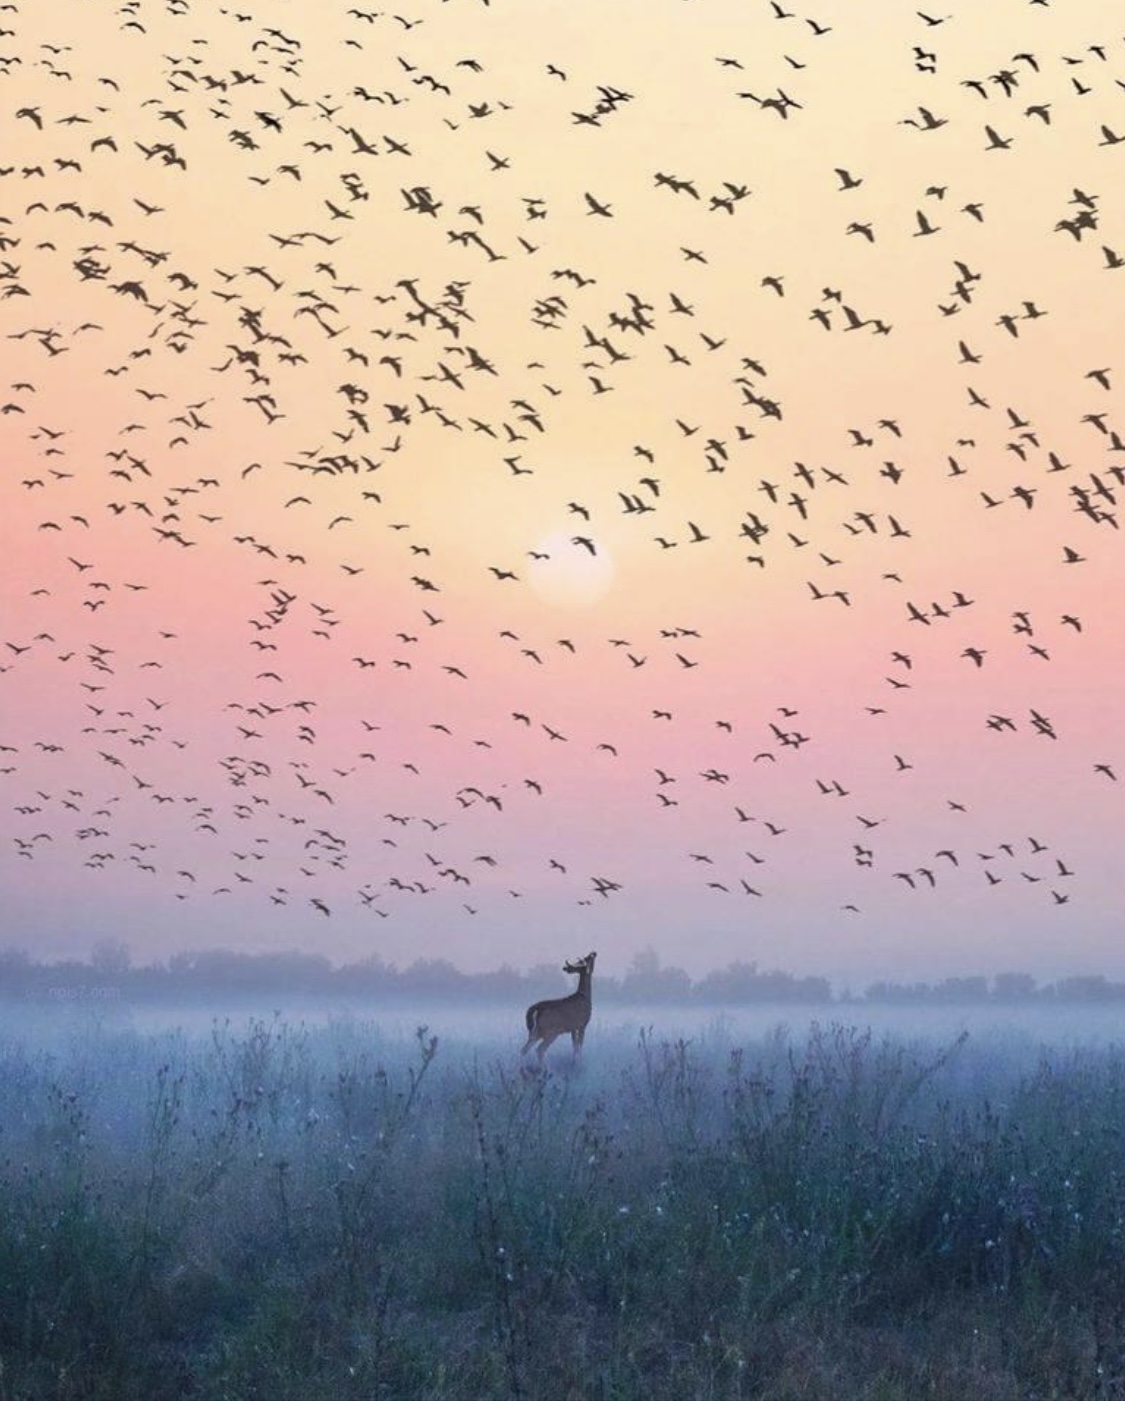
column 278, row 298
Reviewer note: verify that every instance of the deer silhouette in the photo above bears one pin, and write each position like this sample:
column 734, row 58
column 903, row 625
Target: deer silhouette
column 551, row 1018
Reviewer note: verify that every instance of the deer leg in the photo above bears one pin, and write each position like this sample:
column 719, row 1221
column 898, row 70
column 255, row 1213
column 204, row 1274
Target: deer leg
column 544, row 1042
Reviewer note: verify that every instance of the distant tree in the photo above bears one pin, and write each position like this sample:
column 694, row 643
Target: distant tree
column 293, row 971
column 548, row 980
column 784, row 987
column 737, row 982
column 973, row 989
column 111, row 958
column 370, row 974
column 432, row 975
column 501, row 983
column 1093, row 987
column 1013, row 987
column 213, row 970
column 899, row 992
column 647, row 981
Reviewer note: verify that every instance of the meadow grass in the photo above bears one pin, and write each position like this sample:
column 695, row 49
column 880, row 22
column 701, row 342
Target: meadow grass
column 285, row 1213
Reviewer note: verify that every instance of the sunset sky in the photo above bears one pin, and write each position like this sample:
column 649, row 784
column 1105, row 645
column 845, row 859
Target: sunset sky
column 496, row 480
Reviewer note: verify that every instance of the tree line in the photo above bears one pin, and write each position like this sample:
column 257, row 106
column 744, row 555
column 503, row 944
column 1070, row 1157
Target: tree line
column 111, row 973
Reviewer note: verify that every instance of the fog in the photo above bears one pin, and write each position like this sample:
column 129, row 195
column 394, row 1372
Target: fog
column 499, row 1027
column 285, row 1190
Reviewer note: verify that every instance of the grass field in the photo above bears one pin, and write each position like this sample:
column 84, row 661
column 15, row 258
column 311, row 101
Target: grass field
column 289, row 1213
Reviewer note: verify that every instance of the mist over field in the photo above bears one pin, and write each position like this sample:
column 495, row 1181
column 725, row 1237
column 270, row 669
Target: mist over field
column 348, row 1203
column 498, row 1027
column 741, row 1000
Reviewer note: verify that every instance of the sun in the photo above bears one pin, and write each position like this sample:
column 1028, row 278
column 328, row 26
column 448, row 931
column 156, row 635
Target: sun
column 571, row 570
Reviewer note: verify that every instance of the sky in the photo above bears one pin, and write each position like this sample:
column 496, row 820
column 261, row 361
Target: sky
column 490, row 481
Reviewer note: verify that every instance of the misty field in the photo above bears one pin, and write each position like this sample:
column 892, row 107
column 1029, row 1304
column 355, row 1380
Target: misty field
column 291, row 1213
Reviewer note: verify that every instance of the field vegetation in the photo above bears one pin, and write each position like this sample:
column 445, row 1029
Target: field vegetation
column 288, row 1213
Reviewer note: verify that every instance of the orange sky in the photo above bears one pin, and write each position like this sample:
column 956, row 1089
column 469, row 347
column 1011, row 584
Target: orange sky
column 317, row 323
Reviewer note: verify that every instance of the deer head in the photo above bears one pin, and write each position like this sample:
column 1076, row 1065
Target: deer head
column 581, row 965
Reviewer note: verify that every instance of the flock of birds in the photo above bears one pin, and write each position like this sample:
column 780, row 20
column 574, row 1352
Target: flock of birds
column 674, row 475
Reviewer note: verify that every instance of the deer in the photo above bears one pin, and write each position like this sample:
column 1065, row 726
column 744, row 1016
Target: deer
column 549, row 1019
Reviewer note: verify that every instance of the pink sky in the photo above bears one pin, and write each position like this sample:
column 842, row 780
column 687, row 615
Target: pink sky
column 312, row 694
